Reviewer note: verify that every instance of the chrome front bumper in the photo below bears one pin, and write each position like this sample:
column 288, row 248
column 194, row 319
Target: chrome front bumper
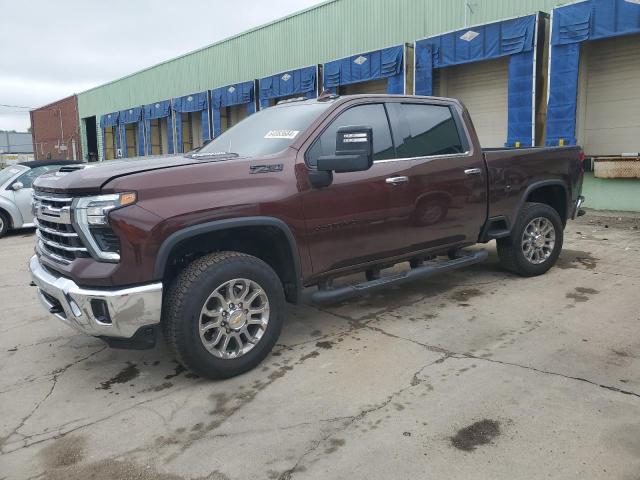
column 129, row 309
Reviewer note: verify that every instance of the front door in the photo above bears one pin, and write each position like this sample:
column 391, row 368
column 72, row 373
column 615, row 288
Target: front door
column 446, row 188
column 349, row 222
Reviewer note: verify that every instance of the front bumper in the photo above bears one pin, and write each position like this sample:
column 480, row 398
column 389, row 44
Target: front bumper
column 118, row 313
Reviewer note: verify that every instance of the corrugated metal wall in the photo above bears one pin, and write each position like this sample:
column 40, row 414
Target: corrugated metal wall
column 326, row 32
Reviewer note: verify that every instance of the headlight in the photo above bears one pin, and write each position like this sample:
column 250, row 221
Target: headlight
column 90, row 216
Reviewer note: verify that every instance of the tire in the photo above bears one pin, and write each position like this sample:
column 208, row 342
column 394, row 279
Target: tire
column 4, row 224
column 515, row 250
column 193, row 291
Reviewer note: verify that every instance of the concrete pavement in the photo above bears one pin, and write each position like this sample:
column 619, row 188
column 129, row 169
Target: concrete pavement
column 474, row 374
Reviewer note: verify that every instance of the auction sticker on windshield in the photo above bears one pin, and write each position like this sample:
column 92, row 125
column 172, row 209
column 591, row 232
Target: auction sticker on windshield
column 291, row 134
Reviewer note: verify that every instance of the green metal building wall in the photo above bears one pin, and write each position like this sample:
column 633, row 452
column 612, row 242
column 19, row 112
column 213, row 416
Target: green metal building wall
column 328, row 31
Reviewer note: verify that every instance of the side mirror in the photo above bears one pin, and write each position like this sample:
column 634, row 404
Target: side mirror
column 17, row 186
column 354, row 151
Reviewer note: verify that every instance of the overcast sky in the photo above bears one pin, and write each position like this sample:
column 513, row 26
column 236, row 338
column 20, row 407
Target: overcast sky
column 50, row 49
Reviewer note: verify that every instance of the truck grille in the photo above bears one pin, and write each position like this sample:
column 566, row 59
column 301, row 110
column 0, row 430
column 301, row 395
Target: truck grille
column 57, row 239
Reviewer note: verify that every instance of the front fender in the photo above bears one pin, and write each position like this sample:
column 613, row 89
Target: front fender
column 15, row 217
column 218, row 225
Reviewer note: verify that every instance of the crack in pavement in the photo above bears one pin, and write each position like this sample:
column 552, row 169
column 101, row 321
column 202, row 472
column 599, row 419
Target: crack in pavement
column 288, row 474
column 546, row 372
column 56, row 375
column 458, row 355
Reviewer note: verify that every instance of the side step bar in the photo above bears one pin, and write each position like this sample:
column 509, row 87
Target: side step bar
column 339, row 294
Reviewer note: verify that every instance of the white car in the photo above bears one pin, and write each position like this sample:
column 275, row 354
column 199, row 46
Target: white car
column 16, row 190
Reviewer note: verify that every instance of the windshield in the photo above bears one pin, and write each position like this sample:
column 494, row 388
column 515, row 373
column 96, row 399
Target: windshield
column 265, row 132
column 10, row 172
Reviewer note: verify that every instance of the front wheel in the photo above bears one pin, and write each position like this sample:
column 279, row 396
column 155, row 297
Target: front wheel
column 223, row 314
column 535, row 242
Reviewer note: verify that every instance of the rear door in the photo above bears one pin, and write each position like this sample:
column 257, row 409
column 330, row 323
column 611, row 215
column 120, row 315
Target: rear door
column 349, row 222
column 446, row 188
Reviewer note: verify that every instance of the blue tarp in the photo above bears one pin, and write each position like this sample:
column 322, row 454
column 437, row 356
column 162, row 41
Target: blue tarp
column 109, row 120
column 154, row 111
column 513, row 37
column 573, row 24
column 131, row 115
column 236, row 94
column 293, row 82
column 385, row 63
column 196, row 102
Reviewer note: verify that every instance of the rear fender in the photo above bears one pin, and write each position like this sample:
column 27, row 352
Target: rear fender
column 533, row 187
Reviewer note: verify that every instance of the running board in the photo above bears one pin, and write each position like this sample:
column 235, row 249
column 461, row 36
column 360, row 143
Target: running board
column 334, row 295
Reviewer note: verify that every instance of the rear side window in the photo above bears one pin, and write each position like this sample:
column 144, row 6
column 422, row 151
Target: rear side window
column 372, row 115
column 425, row 130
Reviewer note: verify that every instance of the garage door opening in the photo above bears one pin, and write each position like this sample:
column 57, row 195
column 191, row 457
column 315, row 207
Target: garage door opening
column 231, row 116
column 159, row 136
column 110, row 143
column 191, row 131
column 373, row 86
column 91, row 137
column 483, row 88
column 608, row 122
column 131, row 135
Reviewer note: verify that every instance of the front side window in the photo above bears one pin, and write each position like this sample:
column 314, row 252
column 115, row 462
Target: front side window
column 425, row 130
column 370, row 115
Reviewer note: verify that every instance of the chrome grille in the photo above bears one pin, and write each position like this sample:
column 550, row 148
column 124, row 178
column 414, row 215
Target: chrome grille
column 57, row 239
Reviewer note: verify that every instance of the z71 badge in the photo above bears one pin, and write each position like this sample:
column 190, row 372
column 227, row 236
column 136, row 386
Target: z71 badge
column 273, row 168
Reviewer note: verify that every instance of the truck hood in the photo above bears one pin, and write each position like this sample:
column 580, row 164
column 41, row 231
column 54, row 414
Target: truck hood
column 91, row 177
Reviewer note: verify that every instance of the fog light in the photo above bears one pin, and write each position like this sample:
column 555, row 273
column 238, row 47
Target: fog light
column 100, row 311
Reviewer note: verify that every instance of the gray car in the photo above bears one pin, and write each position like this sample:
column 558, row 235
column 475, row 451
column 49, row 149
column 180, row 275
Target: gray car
column 16, row 190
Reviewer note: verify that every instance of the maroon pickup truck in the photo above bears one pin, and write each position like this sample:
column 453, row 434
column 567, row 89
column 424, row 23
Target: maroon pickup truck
column 208, row 247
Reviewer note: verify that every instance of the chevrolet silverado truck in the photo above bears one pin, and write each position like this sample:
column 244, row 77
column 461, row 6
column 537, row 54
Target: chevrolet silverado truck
column 207, row 247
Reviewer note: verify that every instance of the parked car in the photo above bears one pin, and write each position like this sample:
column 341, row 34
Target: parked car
column 207, row 247
column 16, row 191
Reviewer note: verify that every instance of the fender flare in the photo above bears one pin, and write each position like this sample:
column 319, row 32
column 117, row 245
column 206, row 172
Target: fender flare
column 534, row 186
column 192, row 231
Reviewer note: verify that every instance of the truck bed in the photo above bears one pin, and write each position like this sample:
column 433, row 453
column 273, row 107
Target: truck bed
column 511, row 171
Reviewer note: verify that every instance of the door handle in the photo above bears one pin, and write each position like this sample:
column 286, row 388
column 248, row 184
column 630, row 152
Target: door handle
column 396, row 180
column 472, row 171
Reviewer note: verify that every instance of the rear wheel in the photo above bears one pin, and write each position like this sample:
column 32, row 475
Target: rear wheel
column 223, row 314
column 535, row 242
column 4, row 224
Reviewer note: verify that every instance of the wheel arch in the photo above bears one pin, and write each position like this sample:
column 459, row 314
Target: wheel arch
column 277, row 245
column 554, row 193
column 11, row 212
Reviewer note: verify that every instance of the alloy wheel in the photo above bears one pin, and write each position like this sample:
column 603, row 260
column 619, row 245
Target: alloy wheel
column 234, row 318
column 538, row 240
